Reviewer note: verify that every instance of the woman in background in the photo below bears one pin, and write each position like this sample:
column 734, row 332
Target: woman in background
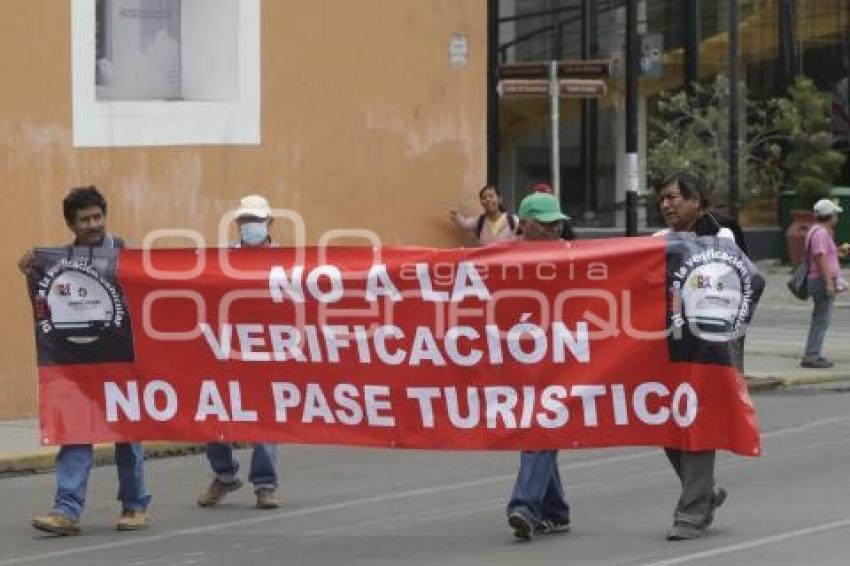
column 824, row 278
column 493, row 225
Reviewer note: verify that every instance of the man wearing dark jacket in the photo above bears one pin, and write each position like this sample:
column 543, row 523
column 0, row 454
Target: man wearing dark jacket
column 85, row 215
column 683, row 200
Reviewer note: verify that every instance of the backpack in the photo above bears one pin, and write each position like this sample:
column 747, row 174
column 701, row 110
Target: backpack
column 798, row 284
column 479, row 226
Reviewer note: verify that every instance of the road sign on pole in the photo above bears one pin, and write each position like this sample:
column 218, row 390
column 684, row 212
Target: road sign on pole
column 578, row 79
column 590, row 69
column 569, row 88
column 554, row 79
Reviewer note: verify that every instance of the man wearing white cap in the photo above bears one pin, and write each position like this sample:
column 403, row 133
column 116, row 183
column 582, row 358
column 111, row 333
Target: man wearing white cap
column 253, row 219
column 824, row 278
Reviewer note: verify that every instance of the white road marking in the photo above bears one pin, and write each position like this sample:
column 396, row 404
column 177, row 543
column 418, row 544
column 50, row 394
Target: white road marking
column 773, row 539
column 804, row 426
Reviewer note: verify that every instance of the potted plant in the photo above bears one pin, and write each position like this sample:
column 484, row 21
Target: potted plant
column 810, row 161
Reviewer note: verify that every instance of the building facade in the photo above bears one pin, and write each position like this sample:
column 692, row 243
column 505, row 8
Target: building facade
column 367, row 114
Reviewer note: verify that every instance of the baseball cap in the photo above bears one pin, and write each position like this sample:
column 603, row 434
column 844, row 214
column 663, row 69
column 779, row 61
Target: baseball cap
column 825, row 207
column 541, row 188
column 542, row 207
column 254, row 205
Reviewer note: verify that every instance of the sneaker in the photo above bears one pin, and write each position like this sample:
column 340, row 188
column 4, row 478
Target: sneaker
column 816, row 363
column 266, row 499
column 216, row 492
column 684, row 531
column 133, row 520
column 57, row 524
column 550, row 526
column 522, row 526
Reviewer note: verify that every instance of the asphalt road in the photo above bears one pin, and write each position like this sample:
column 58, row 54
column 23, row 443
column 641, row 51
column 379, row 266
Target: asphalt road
column 345, row 506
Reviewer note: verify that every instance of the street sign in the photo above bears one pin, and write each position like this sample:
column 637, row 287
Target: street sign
column 590, row 69
column 569, row 88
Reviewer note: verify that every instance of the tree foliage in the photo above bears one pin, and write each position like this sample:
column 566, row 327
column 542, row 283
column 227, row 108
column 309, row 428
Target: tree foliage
column 692, row 131
column 811, row 162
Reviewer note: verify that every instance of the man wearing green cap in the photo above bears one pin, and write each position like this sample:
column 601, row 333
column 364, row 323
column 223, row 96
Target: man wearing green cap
column 540, row 217
column 538, row 504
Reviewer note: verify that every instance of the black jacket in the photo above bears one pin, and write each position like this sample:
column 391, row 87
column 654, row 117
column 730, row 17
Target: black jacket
column 710, row 223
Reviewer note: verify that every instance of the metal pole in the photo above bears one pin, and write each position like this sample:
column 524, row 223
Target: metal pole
column 787, row 48
column 492, row 92
column 733, row 109
column 632, row 172
column 554, row 116
column 691, row 41
column 588, row 113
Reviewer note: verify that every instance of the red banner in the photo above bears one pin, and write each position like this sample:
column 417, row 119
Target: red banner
column 514, row 346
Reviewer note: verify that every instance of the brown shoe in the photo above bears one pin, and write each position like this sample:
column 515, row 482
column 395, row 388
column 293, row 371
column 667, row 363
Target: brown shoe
column 134, row 520
column 57, row 524
column 216, row 491
column 267, row 499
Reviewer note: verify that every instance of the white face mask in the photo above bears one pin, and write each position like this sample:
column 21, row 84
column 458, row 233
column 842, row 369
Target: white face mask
column 254, row 233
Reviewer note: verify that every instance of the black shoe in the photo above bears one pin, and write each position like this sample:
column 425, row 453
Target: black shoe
column 551, row 526
column 522, row 526
column 684, row 531
column 816, row 363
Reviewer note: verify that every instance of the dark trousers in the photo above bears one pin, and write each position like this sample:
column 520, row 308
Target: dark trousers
column 696, row 472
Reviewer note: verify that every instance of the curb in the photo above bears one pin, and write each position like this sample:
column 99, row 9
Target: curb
column 104, row 454
column 756, row 384
column 765, row 381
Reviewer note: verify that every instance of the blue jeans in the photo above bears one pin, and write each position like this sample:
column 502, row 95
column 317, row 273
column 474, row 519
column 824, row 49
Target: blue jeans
column 73, row 465
column 821, row 314
column 538, row 493
column 263, row 471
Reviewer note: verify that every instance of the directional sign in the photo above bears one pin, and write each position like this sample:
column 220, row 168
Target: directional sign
column 590, row 69
column 570, row 88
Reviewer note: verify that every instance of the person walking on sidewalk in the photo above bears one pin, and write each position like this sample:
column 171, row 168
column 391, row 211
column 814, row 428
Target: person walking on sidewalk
column 253, row 219
column 493, row 225
column 824, row 278
column 683, row 198
column 538, row 504
column 85, row 210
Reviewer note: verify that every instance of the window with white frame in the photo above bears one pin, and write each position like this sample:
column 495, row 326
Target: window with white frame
column 166, row 72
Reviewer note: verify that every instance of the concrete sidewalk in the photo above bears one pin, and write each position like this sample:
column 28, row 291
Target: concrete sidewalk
column 773, row 350
column 21, row 452
column 772, row 360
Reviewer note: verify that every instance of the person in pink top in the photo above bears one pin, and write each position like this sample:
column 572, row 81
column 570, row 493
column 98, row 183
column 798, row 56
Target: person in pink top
column 493, row 225
column 824, row 278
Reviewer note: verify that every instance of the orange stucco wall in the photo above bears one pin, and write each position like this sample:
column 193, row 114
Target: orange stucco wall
column 364, row 125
